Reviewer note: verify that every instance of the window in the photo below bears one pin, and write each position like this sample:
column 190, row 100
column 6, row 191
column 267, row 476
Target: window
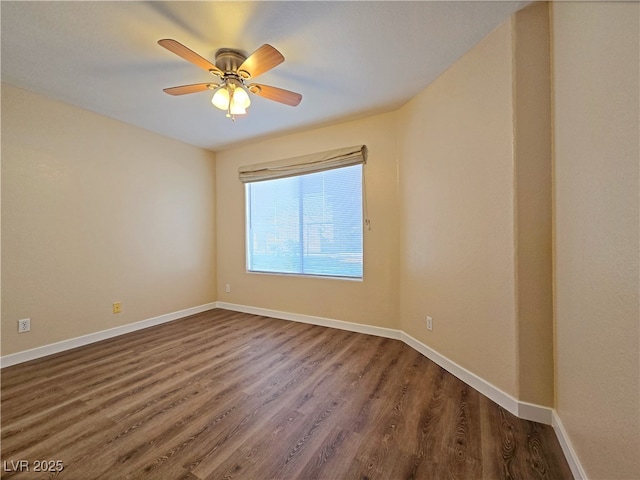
column 307, row 224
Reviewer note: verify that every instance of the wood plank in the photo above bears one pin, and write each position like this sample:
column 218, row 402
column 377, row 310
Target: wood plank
column 230, row 395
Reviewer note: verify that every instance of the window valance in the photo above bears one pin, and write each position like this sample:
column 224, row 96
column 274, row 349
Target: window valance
column 315, row 162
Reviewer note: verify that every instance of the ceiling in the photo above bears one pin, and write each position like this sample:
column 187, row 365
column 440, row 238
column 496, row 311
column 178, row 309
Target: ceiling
column 348, row 59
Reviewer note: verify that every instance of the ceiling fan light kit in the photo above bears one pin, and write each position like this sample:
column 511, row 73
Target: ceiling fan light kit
column 232, row 97
column 233, row 68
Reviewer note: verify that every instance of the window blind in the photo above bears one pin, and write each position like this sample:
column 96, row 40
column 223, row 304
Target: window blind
column 307, row 224
column 315, row 162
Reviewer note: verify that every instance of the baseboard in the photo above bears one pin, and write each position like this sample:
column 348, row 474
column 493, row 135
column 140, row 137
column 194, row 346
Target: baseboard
column 503, row 399
column 523, row 410
column 570, row 454
column 58, row 347
column 535, row 413
column 320, row 321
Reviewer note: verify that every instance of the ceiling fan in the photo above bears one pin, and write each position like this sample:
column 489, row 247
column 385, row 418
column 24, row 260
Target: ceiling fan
column 234, row 69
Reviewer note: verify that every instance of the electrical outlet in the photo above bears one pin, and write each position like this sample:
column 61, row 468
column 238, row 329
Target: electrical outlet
column 24, row 325
column 429, row 323
column 227, row 288
column 117, row 308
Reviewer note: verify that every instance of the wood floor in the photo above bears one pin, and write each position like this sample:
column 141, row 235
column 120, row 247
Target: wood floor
column 227, row 395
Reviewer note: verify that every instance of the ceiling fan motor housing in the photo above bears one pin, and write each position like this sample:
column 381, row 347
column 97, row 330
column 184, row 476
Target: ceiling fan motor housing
column 229, row 61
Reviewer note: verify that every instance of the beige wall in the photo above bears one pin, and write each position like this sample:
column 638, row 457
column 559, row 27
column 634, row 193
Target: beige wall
column 96, row 211
column 445, row 238
column 372, row 301
column 596, row 52
column 457, row 213
column 532, row 154
column 458, row 189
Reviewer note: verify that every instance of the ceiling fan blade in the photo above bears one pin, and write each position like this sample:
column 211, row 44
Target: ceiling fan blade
column 194, row 88
column 260, row 61
column 189, row 55
column 276, row 94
